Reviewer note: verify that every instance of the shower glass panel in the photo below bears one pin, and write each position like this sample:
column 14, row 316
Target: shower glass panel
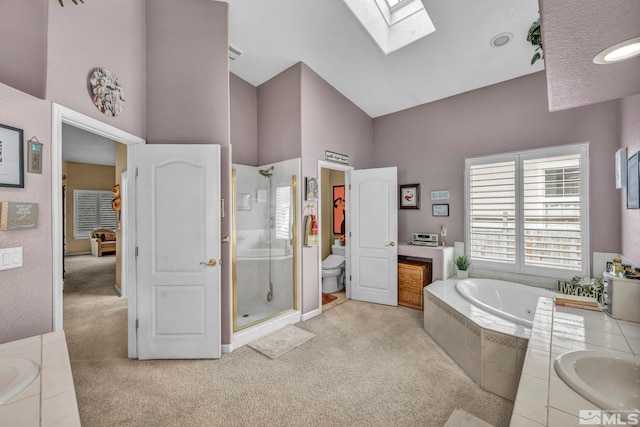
column 264, row 244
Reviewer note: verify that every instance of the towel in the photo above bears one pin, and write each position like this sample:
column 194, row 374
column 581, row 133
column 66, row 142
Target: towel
column 311, row 231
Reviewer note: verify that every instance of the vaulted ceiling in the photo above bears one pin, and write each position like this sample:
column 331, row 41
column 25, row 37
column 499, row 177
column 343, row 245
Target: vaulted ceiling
column 325, row 35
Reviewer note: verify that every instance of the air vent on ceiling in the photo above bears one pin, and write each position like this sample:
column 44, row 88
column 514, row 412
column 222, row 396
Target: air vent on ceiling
column 234, row 53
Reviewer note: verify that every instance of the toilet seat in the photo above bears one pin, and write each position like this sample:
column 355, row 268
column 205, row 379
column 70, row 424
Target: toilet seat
column 333, row 261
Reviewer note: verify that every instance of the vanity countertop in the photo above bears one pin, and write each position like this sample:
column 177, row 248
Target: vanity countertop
column 442, row 257
column 543, row 399
column 50, row 400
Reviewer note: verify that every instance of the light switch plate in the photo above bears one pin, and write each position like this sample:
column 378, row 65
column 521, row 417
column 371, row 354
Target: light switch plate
column 10, row 258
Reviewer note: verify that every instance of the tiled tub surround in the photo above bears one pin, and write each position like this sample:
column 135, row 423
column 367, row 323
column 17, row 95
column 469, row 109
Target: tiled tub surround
column 543, row 399
column 50, row 400
column 488, row 348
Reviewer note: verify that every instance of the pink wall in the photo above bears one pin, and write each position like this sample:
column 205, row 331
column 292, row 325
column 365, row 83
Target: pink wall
column 24, row 64
column 630, row 138
column 279, row 112
column 187, row 80
column 244, row 121
column 74, row 49
column 429, row 143
column 188, row 96
column 329, row 122
column 26, row 299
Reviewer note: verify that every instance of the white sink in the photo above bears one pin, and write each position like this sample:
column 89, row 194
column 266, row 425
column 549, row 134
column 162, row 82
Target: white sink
column 16, row 374
column 609, row 380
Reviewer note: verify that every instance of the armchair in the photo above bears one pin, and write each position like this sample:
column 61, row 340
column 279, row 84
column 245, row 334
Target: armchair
column 102, row 240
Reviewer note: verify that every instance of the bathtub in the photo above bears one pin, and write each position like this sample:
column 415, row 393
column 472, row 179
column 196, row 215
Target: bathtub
column 258, row 254
column 511, row 301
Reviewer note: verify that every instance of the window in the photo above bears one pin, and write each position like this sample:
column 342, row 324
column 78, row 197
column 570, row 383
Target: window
column 92, row 209
column 528, row 211
column 283, row 213
column 396, row 4
column 392, row 24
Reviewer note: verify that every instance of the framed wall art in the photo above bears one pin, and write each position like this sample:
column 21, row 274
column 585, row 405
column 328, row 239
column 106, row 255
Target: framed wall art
column 311, row 189
column 338, row 209
column 633, row 185
column 621, row 168
column 409, row 196
column 440, row 209
column 11, row 157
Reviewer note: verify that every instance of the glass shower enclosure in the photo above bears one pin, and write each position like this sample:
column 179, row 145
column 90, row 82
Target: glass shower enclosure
column 265, row 241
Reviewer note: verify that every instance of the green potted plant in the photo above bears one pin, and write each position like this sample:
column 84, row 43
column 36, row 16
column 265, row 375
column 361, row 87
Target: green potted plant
column 462, row 265
column 535, row 38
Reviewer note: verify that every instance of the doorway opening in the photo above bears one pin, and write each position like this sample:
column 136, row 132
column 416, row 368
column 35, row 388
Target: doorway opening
column 333, row 208
column 62, row 116
column 92, row 168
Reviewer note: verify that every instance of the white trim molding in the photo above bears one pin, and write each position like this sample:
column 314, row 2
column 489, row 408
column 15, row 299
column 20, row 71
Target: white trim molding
column 60, row 115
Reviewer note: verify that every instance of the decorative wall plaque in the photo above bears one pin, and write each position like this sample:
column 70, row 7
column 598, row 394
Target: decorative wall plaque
column 106, row 92
column 18, row 216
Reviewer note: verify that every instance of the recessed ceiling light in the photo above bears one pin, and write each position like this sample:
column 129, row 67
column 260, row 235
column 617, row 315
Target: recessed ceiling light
column 619, row 52
column 501, row 39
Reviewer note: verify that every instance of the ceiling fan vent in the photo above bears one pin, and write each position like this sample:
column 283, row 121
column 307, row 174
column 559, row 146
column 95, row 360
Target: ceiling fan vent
column 234, row 53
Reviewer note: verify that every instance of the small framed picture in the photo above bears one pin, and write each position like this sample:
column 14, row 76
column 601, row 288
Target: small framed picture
column 621, row 170
column 311, row 186
column 440, row 209
column 11, row 157
column 633, row 184
column 409, row 196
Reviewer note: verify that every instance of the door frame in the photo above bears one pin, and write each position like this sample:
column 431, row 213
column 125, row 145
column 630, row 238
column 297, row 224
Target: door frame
column 322, row 164
column 60, row 115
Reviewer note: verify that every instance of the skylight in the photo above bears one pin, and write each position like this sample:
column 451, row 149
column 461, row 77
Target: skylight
column 396, row 4
column 393, row 24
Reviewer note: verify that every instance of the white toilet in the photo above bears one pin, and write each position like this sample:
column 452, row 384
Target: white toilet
column 333, row 269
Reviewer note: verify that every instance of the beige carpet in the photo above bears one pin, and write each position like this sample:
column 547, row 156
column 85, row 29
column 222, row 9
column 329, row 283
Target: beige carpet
column 281, row 341
column 368, row 365
column 461, row 418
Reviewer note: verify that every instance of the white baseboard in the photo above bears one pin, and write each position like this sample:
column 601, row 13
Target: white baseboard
column 311, row 314
column 227, row 348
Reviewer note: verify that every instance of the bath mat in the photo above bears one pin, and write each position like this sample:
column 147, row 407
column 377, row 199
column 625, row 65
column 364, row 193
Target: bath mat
column 461, row 418
column 327, row 298
column 281, row 341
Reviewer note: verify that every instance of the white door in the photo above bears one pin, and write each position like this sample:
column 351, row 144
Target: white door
column 373, row 242
column 178, row 245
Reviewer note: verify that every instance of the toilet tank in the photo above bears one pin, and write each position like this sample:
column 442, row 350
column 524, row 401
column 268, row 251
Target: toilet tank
column 339, row 250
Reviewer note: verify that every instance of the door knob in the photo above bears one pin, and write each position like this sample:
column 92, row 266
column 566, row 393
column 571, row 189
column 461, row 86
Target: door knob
column 225, row 239
column 391, row 244
column 211, row 263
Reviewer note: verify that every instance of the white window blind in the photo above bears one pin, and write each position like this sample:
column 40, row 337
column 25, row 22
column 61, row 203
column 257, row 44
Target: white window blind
column 528, row 211
column 283, row 213
column 552, row 219
column 92, row 209
column 492, row 212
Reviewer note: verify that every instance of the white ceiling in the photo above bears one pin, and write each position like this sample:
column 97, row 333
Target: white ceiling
column 324, row 34
column 81, row 146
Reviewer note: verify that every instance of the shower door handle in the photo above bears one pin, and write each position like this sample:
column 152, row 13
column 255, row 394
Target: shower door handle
column 211, row 263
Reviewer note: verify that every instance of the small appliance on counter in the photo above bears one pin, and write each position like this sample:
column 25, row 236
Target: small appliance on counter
column 622, row 297
column 424, row 239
